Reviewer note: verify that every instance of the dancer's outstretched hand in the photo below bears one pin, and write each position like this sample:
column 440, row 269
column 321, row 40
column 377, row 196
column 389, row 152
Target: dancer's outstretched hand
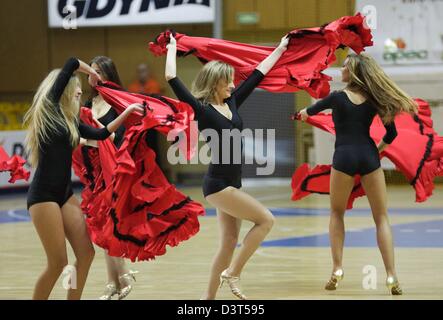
column 303, row 115
column 137, row 107
column 284, row 43
column 94, row 78
column 172, row 42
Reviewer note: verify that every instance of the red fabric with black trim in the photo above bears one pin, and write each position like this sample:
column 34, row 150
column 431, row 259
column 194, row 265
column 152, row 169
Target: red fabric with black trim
column 414, row 151
column 138, row 212
column 14, row 165
column 165, row 114
column 306, row 180
column 310, row 51
column 93, row 166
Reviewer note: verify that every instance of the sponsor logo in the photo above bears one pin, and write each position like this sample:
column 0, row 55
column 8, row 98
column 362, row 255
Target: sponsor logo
column 395, row 50
column 91, row 9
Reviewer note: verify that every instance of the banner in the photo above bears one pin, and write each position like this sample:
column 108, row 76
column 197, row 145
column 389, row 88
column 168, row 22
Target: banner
column 11, row 115
column 405, row 31
column 71, row 14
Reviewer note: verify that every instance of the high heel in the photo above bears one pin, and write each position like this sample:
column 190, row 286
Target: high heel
column 393, row 286
column 110, row 291
column 233, row 283
column 130, row 278
column 336, row 277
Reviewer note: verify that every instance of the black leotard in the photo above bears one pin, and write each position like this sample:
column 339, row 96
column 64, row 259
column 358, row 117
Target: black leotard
column 52, row 179
column 110, row 116
column 355, row 151
column 220, row 174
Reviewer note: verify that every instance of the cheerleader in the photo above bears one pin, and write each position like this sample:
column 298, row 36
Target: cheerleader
column 53, row 131
column 368, row 92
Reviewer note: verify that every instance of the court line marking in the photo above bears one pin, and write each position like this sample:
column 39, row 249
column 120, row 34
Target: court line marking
column 14, row 215
column 433, row 230
column 354, row 230
column 21, row 215
column 274, row 197
column 407, row 230
column 327, row 233
column 261, row 252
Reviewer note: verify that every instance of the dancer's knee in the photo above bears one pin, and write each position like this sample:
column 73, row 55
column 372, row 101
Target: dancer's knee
column 56, row 264
column 338, row 212
column 380, row 219
column 86, row 256
column 229, row 242
column 268, row 221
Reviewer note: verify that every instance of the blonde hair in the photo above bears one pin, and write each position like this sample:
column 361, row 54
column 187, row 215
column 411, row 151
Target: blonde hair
column 366, row 76
column 205, row 84
column 42, row 118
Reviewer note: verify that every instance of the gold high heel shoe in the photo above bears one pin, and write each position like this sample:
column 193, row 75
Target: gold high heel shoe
column 336, row 277
column 233, row 283
column 110, row 291
column 129, row 278
column 394, row 286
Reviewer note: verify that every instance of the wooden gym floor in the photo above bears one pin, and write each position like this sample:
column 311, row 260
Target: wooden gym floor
column 293, row 263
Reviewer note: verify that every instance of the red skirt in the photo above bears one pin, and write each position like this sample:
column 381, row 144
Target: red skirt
column 14, row 165
column 133, row 211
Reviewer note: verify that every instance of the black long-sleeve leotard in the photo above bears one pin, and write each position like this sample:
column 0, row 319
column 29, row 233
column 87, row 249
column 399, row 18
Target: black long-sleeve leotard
column 110, row 116
column 52, row 179
column 106, row 119
column 355, row 151
column 223, row 171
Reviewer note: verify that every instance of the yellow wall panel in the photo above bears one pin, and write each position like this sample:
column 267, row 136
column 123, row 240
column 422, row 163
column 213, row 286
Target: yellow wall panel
column 330, row 10
column 230, row 10
column 23, row 44
column 272, row 14
column 83, row 43
column 278, row 16
column 302, row 13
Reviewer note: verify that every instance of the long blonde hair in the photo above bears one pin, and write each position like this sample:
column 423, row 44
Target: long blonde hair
column 366, row 76
column 205, row 84
column 42, row 118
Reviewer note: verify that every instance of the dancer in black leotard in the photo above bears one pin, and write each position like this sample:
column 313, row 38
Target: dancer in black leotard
column 355, row 151
column 53, row 131
column 220, row 175
column 368, row 92
column 120, row 278
column 216, row 108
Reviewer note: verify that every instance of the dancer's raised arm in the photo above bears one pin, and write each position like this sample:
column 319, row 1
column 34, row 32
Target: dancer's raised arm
column 266, row 65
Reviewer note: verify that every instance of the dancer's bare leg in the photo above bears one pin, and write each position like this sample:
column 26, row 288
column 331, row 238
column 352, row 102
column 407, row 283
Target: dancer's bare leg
column 229, row 229
column 47, row 220
column 77, row 235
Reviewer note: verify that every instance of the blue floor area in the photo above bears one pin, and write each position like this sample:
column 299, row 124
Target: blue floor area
column 7, row 216
column 291, row 212
column 12, row 216
column 428, row 234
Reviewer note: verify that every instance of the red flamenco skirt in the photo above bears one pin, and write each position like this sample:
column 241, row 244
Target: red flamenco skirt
column 139, row 213
column 14, row 165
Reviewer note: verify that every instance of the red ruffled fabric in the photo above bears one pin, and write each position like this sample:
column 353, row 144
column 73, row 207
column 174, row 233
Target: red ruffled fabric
column 133, row 211
column 310, row 51
column 306, row 180
column 14, row 165
column 165, row 114
column 93, row 166
column 414, row 151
